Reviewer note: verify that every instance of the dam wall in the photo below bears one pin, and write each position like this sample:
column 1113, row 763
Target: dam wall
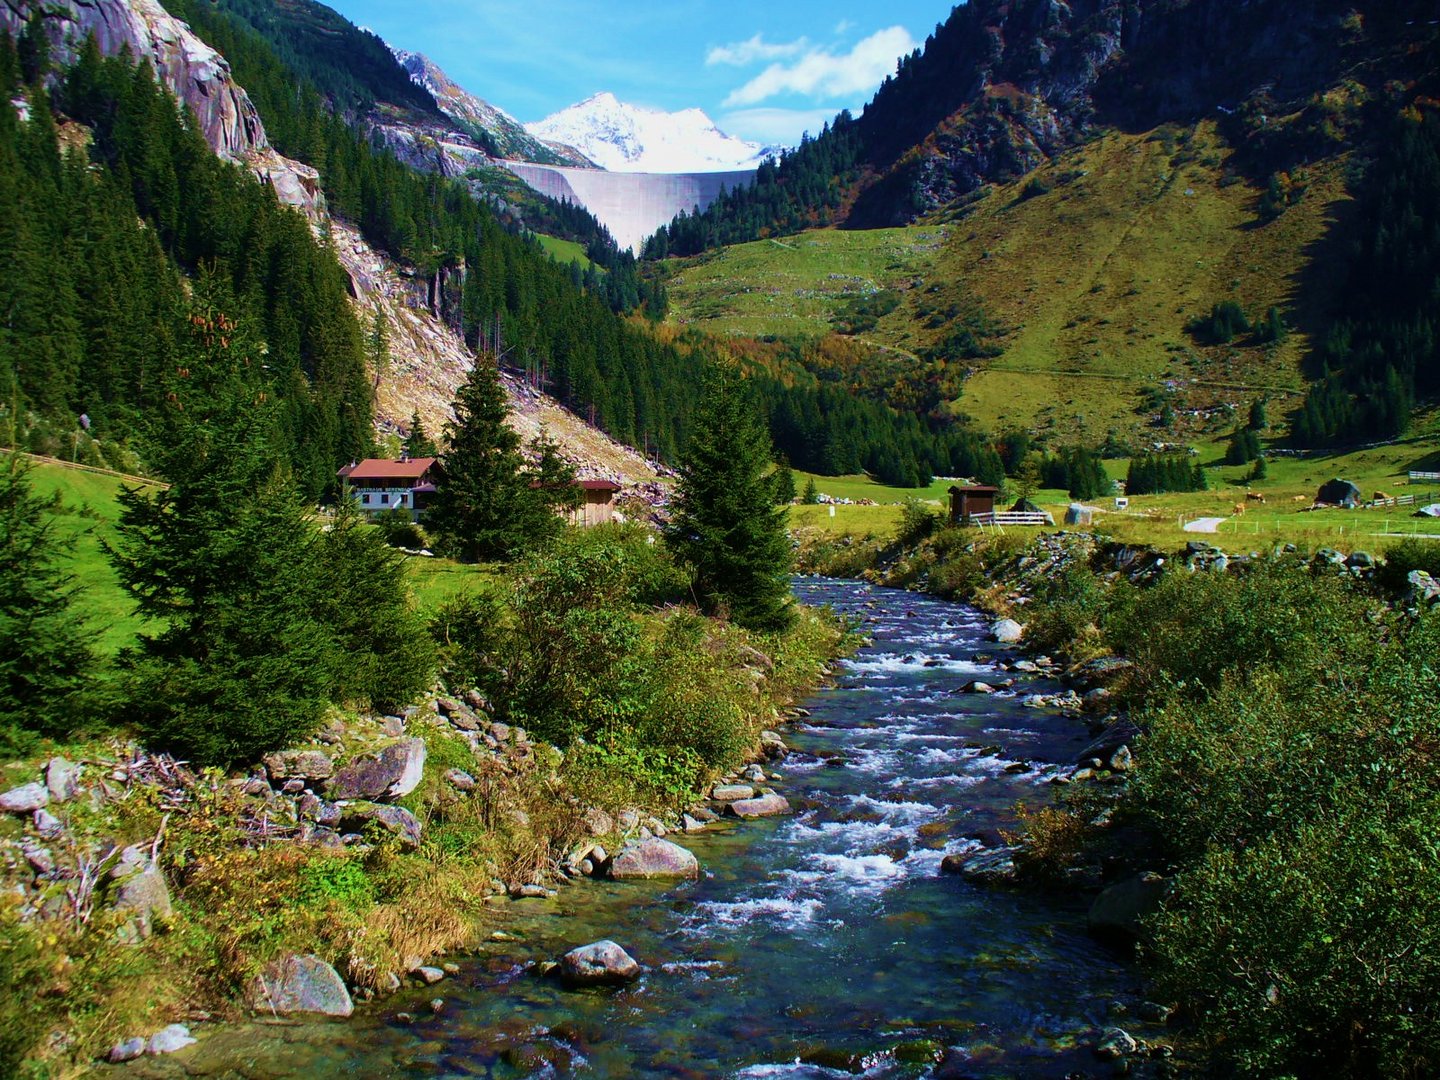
column 631, row 205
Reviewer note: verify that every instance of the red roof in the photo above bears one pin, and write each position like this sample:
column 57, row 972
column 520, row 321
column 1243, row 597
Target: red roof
column 598, row 485
column 383, row 469
column 974, row 489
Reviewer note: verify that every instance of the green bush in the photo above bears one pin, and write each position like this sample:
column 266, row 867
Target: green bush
column 1408, row 555
column 917, row 522
column 400, row 531
column 1301, row 814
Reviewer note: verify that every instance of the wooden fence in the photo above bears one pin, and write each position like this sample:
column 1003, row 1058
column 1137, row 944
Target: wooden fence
column 1009, row 517
column 1424, row 476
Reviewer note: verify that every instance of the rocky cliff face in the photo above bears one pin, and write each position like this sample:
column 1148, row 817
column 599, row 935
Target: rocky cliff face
column 1005, row 85
column 505, row 136
column 193, row 71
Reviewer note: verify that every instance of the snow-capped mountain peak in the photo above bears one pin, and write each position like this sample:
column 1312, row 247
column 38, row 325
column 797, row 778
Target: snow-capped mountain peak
column 630, row 138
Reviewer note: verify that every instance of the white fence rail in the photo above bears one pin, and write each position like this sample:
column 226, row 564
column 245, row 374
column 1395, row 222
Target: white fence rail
column 1009, row 517
column 1424, row 476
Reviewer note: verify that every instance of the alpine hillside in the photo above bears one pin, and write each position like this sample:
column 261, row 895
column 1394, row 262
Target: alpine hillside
column 1118, row 223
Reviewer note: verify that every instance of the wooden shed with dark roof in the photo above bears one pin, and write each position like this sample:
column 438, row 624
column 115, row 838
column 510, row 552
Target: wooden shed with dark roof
column 598, row 505
column 967, row 501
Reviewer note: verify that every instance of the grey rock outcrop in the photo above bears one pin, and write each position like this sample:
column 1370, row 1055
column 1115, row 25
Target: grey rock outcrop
column 190, row 69
column 654, row 858
column 393, row 773
column 25, row 799
column 62, row 779
column 300, row 984
column 602, row 963
column 299, row 764
column 141, row 892
column 395, row 820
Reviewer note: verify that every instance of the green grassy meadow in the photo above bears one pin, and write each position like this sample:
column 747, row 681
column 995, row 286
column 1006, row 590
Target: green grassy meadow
column 564, row 251
column 1091, row 286
column 794, row 287
column 85, row 511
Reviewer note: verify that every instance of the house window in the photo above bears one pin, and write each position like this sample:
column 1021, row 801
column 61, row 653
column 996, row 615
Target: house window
column 365, row 499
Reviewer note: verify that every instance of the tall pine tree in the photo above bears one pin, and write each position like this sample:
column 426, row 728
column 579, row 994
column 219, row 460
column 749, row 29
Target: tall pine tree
column 726, row 526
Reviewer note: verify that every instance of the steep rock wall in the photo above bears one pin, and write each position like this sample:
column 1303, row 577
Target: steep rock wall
column 190, row 69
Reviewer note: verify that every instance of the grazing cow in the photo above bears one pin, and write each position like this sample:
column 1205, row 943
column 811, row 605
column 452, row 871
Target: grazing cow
column 1239, row 509
column 1254, row 496
column 1301, row 498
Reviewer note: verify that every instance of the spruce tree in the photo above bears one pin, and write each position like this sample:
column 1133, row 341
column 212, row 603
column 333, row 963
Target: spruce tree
column 418, row 443
column 225, row 559
column 488, row 504
column 725, row 525
column 45, row 650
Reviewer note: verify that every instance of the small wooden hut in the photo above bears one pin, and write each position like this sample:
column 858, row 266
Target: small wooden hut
column 969, row 500
column 598, row 507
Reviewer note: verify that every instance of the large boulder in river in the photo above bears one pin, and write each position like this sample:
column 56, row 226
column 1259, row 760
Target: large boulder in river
column 393, row 773
column 993, row 867
column 1007, row 632
column 1119, row 911
column 300, row 984
column 654, row 858
column 766, row 805
column 602, row 963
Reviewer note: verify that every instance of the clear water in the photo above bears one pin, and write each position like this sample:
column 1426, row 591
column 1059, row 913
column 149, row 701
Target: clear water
column 808, row 939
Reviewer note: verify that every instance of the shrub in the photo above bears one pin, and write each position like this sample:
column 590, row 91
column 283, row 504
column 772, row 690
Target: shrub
column 917, row 521
column 1408, row 555
column 400, row 531
column 1305, row 920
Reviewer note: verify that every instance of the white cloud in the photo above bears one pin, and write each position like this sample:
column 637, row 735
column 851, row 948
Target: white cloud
column 775, row 127
column 745, row 53
column 820, row 73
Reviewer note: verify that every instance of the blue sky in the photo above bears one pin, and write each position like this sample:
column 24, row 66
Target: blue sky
column 763, row 69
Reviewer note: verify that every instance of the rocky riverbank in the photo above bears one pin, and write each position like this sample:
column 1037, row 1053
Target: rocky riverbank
column 330, row 874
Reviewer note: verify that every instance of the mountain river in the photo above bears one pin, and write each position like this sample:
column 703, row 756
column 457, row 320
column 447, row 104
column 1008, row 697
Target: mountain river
column 815, row 943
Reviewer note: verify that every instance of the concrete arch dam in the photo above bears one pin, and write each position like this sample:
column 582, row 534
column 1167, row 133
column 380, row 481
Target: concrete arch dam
column 631, row 205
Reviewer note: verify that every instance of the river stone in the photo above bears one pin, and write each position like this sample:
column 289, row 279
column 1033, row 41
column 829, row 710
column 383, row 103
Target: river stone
column 62, row 779
column 395, row 820
column 125, row 1051
column 768, row 805
column 300, row 984
column 731, row 792
column 994, row 867
column 975, row 686
column 772, row 745
column 1123, row 733
column 169, row 1039
column 299, row 764
column 602, row 963
column 25, row 799
column 393, row 773
column 1007, row 632
column 1115, row 1043
column 654, row 858
column 1120, row 909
